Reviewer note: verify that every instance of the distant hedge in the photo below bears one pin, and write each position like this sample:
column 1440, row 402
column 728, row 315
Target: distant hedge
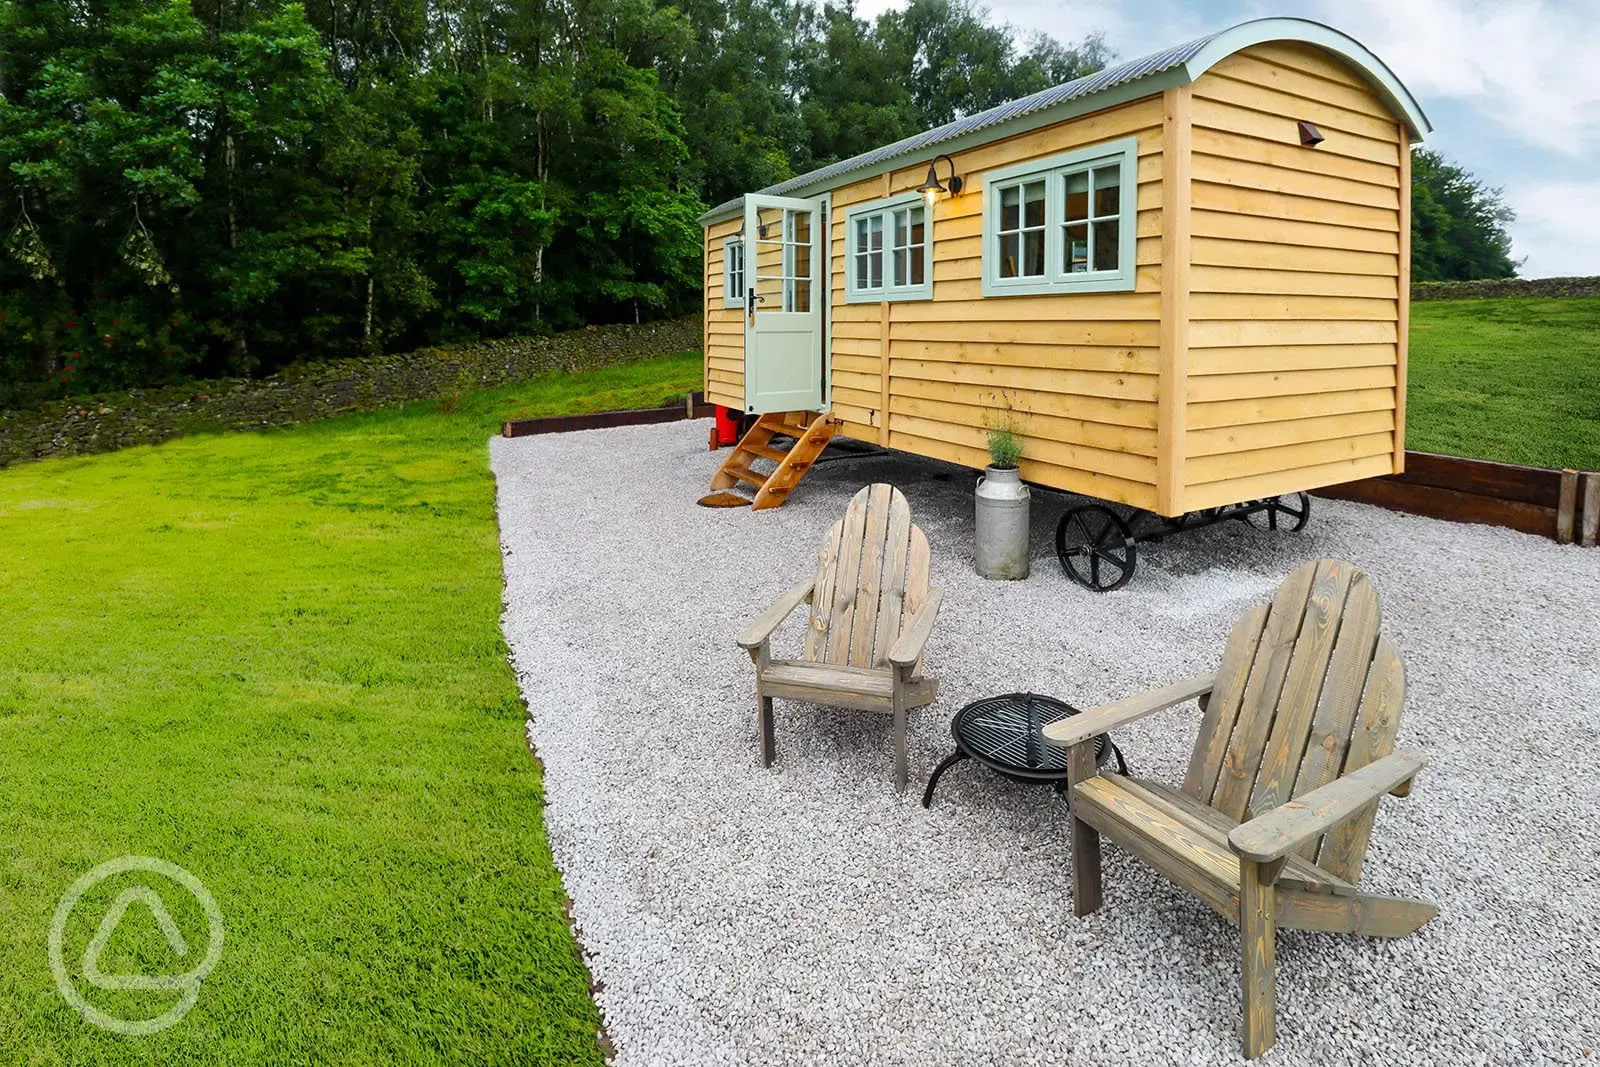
column 1493, row 287
column 309, row 391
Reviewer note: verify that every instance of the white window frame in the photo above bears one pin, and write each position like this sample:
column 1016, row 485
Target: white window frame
column 1054, row 171
column 885, row 210
column 730, row 298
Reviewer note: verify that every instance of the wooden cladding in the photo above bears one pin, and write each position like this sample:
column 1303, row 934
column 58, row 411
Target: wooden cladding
column 1296, row 282
column 1260, row 351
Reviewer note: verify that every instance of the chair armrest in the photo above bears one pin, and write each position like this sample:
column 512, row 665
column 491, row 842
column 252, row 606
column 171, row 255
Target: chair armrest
column 1075, row 728
column 759, row 632
column 907, row 647
column 1285, row 828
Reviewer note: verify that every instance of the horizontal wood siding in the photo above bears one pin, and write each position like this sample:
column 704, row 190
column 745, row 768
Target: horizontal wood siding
column 1294, row 354
column 1077, row 370
column 724, row 326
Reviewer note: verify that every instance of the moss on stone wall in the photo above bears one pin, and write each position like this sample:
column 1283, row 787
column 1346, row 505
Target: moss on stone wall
column 310, row 391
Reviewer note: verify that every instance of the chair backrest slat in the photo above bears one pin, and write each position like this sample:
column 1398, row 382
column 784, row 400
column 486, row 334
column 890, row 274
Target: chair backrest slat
column 1243, row 758
column 869, row 588
column 1345, row 846
column 1308, row 690
column 1222, row 707
column 896, row 559
column 1329, row 739
column 1302, row 686
column 822, row 595
column 872, row 575
column 847, row 585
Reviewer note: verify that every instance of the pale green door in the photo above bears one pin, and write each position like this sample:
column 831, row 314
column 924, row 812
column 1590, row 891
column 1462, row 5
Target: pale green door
column 784, row 242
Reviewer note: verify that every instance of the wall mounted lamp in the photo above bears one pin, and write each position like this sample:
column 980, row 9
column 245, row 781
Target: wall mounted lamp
column 933, row 186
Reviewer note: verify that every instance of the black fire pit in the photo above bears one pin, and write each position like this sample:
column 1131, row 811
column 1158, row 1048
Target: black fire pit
column 1003, row 734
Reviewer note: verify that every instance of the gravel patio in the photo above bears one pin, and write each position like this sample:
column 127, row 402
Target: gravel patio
column 811, row 915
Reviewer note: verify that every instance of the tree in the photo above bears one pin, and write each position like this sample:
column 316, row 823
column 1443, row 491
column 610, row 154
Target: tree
column 1458, row 225
column 194, row 187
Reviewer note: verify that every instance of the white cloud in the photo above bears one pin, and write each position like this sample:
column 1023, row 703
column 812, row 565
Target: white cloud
column 1557, row 227
column 1528, row 65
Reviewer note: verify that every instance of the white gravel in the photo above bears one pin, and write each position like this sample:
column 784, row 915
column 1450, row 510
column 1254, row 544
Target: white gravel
column 811, row 915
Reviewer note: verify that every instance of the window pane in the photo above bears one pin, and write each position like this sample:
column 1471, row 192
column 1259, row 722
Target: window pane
column 1010, row 197
column 875, row 265
column 918, row 263
column 1033, row 253
column 802, row 227
column 899, row 266
column 875, row 241
column 1033, row 204
column 901, row 230
column 1075, row 252
column 1106, row 245
column 1008, row 255
column 802, row 295
column 861, row 234
column 1077, row 196
column 1107, row 190
column 918, row 231
column 861, row 270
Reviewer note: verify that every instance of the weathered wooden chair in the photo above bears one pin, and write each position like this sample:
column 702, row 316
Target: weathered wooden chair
column 871, row 614
column 1294, row 752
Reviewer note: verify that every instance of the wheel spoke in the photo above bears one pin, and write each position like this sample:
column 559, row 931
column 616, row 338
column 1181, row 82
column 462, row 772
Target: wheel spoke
column 1120, row 564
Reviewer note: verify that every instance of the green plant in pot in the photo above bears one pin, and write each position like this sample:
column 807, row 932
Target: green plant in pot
column 1005, row 448
column 1002, row 506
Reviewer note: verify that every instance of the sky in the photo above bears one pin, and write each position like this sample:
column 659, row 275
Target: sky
column 1512, row 88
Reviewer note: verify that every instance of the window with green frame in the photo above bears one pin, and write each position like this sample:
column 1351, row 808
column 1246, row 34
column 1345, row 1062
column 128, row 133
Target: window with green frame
column 733, row 272
column 888, row 250
column 1062, row 224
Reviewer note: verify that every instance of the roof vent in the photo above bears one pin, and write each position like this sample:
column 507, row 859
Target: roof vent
column 1310, row 136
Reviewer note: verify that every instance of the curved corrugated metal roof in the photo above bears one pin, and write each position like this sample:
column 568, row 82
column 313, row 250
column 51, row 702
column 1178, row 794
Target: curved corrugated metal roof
column 1208, row 50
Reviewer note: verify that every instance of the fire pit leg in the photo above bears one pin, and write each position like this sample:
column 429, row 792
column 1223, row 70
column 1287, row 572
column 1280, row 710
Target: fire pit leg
column 949, row 761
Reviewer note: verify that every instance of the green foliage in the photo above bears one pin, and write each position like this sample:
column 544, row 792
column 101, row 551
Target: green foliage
column 1512, row 379
column 1458, row 225
column 275, row 659
column 1005, row 444
column 291, row 181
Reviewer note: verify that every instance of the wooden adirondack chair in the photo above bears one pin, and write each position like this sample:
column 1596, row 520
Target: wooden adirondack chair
column 1295, row 750
column 871, row 614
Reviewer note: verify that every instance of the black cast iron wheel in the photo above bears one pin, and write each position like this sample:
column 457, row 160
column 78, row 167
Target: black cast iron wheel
column 1289, row 513
column 1096, row 548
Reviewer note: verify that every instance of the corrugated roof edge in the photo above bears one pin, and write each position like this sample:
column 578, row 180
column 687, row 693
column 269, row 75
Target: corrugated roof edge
column 1117, row 84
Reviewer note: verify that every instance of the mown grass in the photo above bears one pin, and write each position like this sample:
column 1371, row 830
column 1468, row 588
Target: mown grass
column 275, row 660
column 1513, row 379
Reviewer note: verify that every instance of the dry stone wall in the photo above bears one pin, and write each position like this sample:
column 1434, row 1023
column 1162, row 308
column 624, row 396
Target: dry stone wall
column 311, row 391
column 1493, row 287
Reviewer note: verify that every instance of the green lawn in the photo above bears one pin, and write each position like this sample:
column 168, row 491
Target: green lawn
column 1514, row 379
column 275, row 660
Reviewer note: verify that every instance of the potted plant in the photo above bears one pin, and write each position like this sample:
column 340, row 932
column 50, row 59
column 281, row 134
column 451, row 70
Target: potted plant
column 1001, row 503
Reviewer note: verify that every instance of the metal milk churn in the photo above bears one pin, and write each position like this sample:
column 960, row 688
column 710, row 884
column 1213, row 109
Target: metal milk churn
column 1002, row 526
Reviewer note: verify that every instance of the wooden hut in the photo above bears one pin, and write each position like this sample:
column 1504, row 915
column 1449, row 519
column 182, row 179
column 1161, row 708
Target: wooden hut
column 1185, row 277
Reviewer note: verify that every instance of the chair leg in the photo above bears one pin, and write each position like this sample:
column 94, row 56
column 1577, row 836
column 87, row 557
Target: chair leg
column 769, row 744
column 900, row 759
column 1258, row 927
column 1086, row 891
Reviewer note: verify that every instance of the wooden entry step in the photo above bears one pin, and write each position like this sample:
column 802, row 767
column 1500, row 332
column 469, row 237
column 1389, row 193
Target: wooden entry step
column 811, row 433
